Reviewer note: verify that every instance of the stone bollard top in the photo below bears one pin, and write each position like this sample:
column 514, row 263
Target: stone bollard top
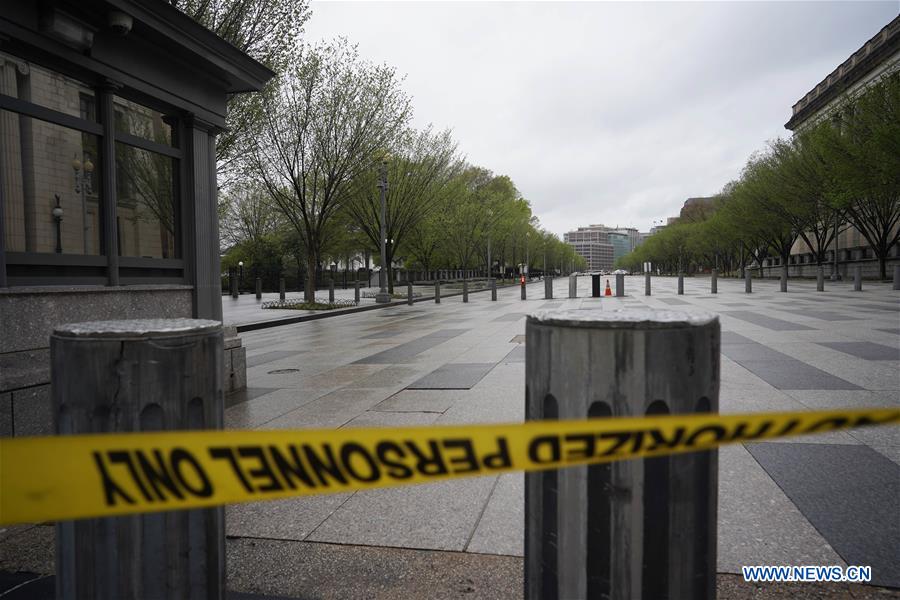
column 137, row 328
column 627, row 318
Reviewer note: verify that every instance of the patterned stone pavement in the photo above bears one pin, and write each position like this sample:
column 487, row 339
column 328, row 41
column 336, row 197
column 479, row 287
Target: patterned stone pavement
column 827, row 499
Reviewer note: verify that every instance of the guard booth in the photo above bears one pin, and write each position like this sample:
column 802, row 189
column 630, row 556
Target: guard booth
column 595, row 285
column 109, row 112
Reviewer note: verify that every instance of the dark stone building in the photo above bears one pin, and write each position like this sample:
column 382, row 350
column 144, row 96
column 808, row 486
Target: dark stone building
column 109, row 111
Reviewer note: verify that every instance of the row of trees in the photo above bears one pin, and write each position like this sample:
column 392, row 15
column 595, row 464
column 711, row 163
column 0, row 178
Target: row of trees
column 301, row 186
column 844, row 172
column 300, row 164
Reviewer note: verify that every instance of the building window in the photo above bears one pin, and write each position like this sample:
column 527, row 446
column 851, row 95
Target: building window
column 53, row 203
column 50, row 187
column 145, row 203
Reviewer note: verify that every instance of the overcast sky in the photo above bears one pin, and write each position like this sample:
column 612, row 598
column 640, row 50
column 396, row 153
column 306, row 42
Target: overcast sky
column 607, row 112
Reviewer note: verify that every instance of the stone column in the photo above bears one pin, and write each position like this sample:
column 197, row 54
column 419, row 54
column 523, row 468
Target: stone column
column 139, row 376
column 714, row 282
column 437, row 291
column 548, row 288
column 620, row 286
column 258, row 288
column 493, row 289
column 573, row 286
column 647, row 283
column 857, row 279
column 897, row 277
column 820, row 279
column 465, row 292
column 281, row 288
column 784, row 277
column 748, row 282
column 681, row 284
column 642, row 528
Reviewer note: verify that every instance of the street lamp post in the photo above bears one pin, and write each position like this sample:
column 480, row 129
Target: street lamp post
column 241, row 276
column 382, row 297
column 57, row 213
column 84, row 186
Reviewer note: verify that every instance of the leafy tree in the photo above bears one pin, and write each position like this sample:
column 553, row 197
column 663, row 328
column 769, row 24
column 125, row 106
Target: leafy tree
column 862, row 157
column 419, row 172
column 322, row 124
column 267, row 30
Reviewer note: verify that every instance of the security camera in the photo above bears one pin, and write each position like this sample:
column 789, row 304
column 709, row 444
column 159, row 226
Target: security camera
column 119, row 22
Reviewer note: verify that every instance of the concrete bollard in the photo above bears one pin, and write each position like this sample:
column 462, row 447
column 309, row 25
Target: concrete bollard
column 133, row 376
column 232, row 282
column 641, row 528
column 857, row 279
column 820, row 279
column 331, row 292
column 647, row 284
column 356, row 292
column 573, row 286
column 465, row 290
column 784, row 273
column 522, row 285
column 437, row 291
column 548, row 288
column 258, row 288
column 409, row 293
column 281, row 289
column 897, row 277
column 493, row 289
column 620, row 285
column 681, row 284
column 714, row 281
column 748, row 282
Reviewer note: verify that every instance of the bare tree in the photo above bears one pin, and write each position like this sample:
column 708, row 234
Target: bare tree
column 321, row 126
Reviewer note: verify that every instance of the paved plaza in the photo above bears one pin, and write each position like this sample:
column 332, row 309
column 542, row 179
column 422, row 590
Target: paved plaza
column 828, row 499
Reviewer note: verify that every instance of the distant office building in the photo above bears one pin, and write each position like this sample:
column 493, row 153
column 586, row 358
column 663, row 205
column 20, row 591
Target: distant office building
column 620, row 243
column 593, row 245
column 877, row 58
column 634, row 236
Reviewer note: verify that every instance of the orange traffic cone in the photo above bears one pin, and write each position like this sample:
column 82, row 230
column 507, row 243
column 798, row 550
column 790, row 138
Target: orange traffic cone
column 608, row 291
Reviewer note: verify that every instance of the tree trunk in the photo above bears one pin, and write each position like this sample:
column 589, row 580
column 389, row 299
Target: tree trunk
column 309, row 292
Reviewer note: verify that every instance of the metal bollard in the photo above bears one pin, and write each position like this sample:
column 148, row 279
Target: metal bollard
column 748, row 282
column 133, row 376
column 647, row 283
column 784, row 273
column 465, row 290
column 620, row 285
column 281, row 288
column 523, row 288
column 820, row 279
column 573, row 286
column 493, row 289
column 714, row 282
column 632, row 529
column 331, row 291
column 232, row 281
column 437, row 291
column 857, row 279
column 258, row 288
column 897, row 277
column 409, row 294
column 548, row 288
column 356, row 291
column 681, row 284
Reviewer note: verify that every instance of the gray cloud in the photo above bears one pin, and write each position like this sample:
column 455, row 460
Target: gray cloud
column 607, row 112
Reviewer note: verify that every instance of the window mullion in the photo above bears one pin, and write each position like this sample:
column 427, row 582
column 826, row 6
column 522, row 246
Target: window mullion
column 109, row 198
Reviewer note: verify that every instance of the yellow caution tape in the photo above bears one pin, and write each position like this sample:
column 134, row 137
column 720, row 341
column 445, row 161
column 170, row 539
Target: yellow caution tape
column 74, row 477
